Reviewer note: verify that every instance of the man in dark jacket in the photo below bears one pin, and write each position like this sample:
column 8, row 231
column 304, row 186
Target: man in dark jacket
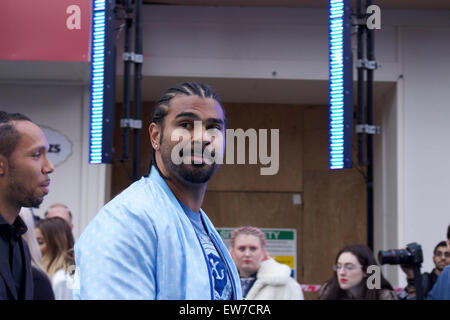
column 440, row 259
column 24, row 182
column 441, row 289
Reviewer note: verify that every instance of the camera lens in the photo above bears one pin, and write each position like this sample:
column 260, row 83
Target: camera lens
column 397, row 256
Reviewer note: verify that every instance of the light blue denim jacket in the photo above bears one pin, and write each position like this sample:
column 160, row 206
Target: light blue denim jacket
column 141, row 245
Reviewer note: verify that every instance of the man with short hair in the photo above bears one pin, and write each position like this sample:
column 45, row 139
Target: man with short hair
column 62, row 211
column 441, row 289
column 24, row 182
column 440, row 257
column 153, row 241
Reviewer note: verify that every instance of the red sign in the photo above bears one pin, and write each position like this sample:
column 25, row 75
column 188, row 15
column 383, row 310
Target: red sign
column 49, row 30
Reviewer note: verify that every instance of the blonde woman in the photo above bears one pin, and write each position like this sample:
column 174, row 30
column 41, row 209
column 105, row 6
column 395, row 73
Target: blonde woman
column 262, row 278
column 41, row 283
column 56, row 244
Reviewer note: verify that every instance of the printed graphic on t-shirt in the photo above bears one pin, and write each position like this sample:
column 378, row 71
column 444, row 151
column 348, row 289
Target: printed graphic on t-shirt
column 218, row 270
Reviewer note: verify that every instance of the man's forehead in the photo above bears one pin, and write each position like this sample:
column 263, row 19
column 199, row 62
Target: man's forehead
column 58, row 209
column 31, row 136
column 195, row 104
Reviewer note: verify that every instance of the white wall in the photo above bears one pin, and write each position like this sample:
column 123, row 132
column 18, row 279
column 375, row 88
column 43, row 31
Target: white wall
column 425, row 177
column 231, row 42
column 385, row 178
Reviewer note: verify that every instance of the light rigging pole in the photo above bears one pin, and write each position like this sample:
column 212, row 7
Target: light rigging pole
column 129, row 57
column 365, row 127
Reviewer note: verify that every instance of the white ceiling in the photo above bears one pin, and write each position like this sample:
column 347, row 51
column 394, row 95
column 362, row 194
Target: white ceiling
column 383, row 4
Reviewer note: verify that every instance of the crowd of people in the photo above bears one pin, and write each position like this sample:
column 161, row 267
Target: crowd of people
column 50, row 242
column 153, row 240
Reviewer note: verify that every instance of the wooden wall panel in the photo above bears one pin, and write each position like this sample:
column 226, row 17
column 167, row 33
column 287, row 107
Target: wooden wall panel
column 258, row 209
column 288, row 119
column 334, row 202
column 121, row 172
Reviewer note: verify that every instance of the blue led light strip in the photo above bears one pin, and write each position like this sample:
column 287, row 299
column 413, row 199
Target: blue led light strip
column 97, row 81
column 338, row 85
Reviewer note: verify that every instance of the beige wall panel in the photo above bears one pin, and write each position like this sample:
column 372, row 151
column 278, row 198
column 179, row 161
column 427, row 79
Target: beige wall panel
column 258, row 209
column 334, row 203
column 288, row 119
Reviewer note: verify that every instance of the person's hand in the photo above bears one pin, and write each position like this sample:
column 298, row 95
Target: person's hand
column 411, row 291
column 408, row 271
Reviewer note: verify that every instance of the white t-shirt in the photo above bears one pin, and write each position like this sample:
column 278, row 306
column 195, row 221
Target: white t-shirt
column 59, row 284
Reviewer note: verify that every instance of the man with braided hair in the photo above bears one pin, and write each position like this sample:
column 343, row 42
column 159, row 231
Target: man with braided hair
column 262, row 278
column 153, row 241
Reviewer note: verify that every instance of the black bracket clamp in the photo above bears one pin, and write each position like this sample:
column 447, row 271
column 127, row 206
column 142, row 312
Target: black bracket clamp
column 133, row 57
column 367, row 64
column 366, row 128
column 130, row 123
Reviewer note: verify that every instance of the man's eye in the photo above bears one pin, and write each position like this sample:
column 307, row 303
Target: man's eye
column 215, row 127
column 185, row 125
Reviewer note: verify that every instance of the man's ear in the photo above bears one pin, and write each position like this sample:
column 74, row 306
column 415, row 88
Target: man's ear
column 3, row 165
column 154, row 130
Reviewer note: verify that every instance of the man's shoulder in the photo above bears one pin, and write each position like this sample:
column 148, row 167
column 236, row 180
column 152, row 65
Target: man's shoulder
column 445, row 273
column 137, row 207
column 441, row 289
column 142, row 195
column 135, row 190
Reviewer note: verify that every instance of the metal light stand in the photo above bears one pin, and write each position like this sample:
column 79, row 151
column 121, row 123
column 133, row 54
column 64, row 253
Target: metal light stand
column 129, row 57
column 138, row 44
column 365, row 127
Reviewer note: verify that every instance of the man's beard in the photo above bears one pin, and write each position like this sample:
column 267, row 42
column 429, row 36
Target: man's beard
column 19, row 194
column 192, row 173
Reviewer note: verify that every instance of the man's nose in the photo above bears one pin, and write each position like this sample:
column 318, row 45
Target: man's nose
column 48, row 166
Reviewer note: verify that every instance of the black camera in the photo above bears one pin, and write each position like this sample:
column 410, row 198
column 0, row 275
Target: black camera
column 412, row 255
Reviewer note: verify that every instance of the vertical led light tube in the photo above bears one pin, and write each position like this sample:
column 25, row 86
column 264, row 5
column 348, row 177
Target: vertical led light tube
column 340, row 85
column 102, row 82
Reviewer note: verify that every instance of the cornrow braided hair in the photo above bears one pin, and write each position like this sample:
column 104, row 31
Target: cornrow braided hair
column 248, row 230
column 191, row 88
column 9, row 136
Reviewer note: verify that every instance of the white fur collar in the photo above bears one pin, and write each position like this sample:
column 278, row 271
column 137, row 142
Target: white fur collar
column 273, row 273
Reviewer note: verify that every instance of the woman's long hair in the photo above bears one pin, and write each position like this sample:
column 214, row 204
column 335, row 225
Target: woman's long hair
column 366, row 259
column 30, row 238
column 59, row 244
